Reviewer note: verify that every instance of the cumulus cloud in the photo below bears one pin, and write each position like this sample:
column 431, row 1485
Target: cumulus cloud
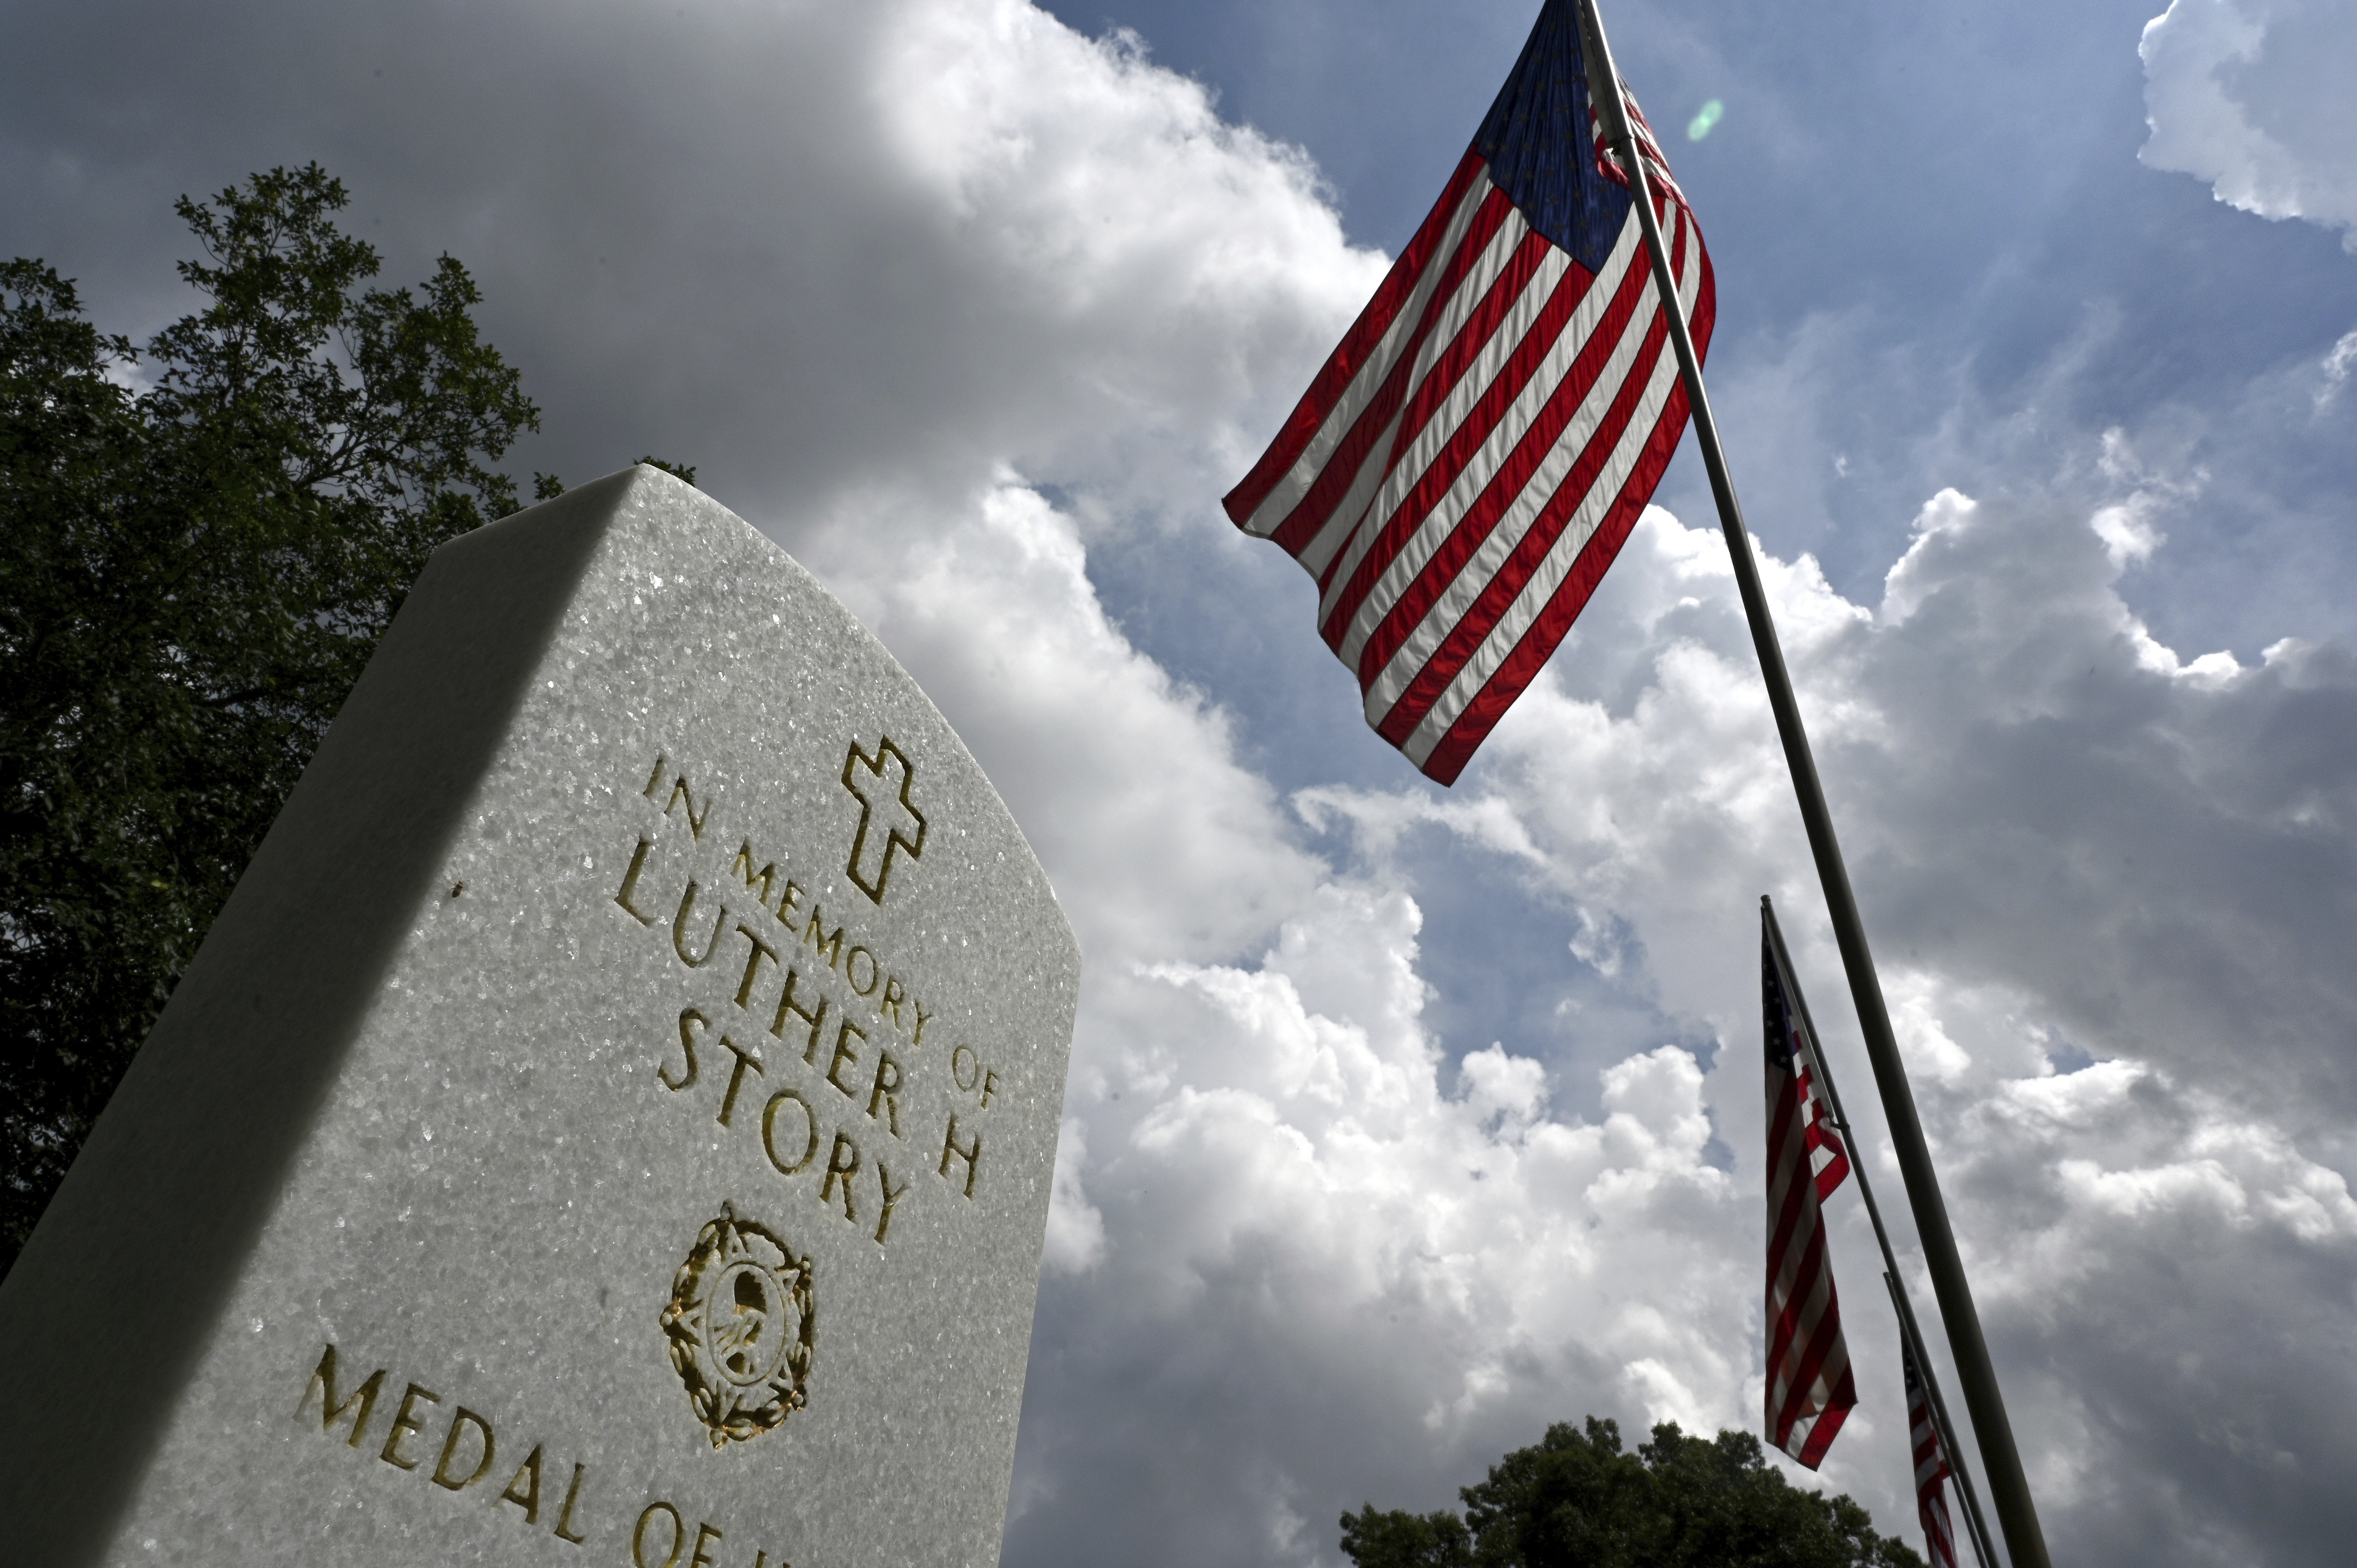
column 1322, row 1232
column 2078, row 852
column 2251, row 96
column 1315, row 1229
column 1343, row 1269
column 2336, row 366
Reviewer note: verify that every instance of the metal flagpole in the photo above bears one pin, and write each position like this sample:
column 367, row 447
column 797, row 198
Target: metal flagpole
column 2017, row 1514
column 1822, row 1075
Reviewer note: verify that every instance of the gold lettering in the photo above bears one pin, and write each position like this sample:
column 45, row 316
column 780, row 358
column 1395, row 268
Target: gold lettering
column 886, row 1090
column 679, row 929
column 889, row 1007
column 631, row 880
column 762, row 949
column 919, row 1037
column 989, row 1088
column 972, row 1154
column 785, row 1005
column 696, row 821
column 525, row 1497
column 875, row 974
column 844, row 1052
column 770, row 1131
column 323, row 1378
column 689, row 1021
column 705, row 1535
column 892, row 1196
column 828, row 947
column 639, row 1537
column 654, row 778
column 764, row 878
column 745, row 1058
column 405, row 1423
column 837, row 1169
column 968, row 1075
column 442, row 1477
column 790, row 906
column 564, row 1514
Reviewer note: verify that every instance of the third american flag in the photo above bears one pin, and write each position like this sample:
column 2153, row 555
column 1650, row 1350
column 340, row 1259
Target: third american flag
column 1476, row 450
column 1931, row 1466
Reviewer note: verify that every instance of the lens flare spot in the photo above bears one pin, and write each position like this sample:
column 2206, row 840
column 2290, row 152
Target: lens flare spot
column 1704, row 118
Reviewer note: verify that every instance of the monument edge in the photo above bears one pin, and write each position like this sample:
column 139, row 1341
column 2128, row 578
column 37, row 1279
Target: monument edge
column 176, row 1158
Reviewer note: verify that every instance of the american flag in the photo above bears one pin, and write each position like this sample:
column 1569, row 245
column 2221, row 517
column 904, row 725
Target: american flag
column 1475, row 452
column 1810, row 1391
column 1931, row 1466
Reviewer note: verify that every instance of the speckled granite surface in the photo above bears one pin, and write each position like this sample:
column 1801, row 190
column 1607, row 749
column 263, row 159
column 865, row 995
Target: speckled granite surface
column 641, row 1041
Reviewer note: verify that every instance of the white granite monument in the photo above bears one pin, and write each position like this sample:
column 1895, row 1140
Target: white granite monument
column 611, row 1124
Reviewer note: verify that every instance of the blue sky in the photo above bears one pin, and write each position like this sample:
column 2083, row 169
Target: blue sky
column 1404, row 1120
column 1941, row 206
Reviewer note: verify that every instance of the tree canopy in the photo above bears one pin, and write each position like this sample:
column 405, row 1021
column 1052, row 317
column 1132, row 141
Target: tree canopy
column 1574, row 1499
column 203, row 542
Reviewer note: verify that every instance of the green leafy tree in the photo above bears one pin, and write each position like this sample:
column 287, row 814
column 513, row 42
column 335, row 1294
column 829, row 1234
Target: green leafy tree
column 1577, row 1500
column 192, row 577
column 548, row 487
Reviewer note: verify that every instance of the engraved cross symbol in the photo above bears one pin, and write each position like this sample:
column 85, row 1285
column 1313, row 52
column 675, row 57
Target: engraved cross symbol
column 881, row 807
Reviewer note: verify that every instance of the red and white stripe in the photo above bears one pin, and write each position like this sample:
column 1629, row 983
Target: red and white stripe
column 1931, row 1468
column 1828, row 1161
column 1474, row 454
column 1810, row 1389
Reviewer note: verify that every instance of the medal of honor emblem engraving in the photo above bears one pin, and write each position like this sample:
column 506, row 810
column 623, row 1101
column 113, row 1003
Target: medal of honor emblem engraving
column 741, row 1327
